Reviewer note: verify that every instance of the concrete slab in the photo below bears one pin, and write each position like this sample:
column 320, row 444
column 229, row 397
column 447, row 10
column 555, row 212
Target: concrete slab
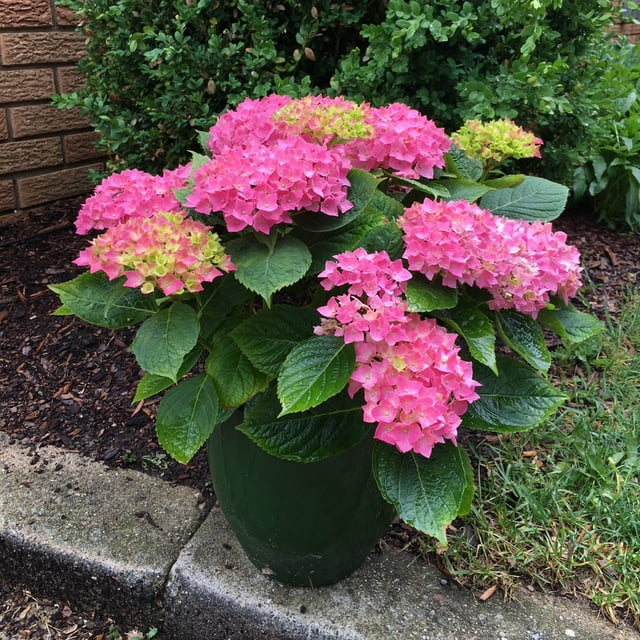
column 104, row 538
column 214, row 592
column 135, row 547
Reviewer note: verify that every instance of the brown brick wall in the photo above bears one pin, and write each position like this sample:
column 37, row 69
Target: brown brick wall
column 45, row 153
column 631, row 31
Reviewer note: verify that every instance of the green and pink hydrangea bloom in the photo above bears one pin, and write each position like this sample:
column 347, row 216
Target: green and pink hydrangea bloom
column 166, row 250
column 496, row 141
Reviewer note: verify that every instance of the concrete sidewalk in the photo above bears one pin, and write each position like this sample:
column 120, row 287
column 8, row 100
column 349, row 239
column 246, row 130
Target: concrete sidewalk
column 142, row 550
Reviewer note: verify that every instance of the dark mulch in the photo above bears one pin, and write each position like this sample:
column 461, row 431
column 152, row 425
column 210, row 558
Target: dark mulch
column 68, row 384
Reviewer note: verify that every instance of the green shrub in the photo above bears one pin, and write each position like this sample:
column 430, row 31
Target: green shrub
column 611, row 174
column 157, row 68
column 540, row 63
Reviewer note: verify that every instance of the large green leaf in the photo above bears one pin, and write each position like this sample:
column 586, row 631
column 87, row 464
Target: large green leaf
column 428, row 295
column 515, row 400
column 326, row 245
column 432, row 188
column 384, row 237
column 267, row 337
column 107, row 303
column 386, row 205
column 314, row 371
column 524, row 335
column 570, row 324
column 265, row 266
column 505, row 182
column 475, row 328
column 186, row 417
column 460, row 189
column 534, row 199
column 235, row 378
column 164, row 339
column 324, row 431
column 218, row 300
column 428, row 493
column 151, row 384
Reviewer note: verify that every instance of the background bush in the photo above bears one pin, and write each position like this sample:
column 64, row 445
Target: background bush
column 611, row 174
column 157, row 69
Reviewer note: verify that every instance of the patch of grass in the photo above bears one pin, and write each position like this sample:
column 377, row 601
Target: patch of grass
column 559, row 507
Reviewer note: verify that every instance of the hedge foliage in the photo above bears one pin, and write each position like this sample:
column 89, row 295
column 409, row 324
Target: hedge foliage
column 157, row 70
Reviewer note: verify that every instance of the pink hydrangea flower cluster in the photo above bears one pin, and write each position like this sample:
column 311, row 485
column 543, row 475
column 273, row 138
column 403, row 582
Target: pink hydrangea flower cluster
column 417, row 389
column 373, row 305
column 260, row 186
column 415, row 385
column 276, row 155
column 521, row 264
column 130, row 193
column 166, row 250
column 403, row 141
column 250, row 122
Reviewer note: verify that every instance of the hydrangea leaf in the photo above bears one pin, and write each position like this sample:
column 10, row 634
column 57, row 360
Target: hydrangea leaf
column 570, row 324
column 433, row 188
column 428, row 493
column 389, row 207
column 385, row 237
column 265, row 267
column 461, row 189
column 235, row 378
column 475, row 328
column 324, row 431
column 515, row 400
column 314, row 371
column 186, row 417
column 524, row 335
column 324, row 246
column 267, row 337
column 427, row 295
column 505, row 182
column 461, row 166
column 164, row 339
column 151, row 384
column 219, row 300
column 103, row 302
column 534, row 199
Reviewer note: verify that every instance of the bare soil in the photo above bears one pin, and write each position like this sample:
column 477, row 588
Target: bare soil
column 69, row 384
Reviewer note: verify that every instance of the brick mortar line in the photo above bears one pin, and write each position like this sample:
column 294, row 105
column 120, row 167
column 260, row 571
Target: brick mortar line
column 41, row 28
column 50, row 134
column 31, row 103
column 37, row 66
column 42, row 171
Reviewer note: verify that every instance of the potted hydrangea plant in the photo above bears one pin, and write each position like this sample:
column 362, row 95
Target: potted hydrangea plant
column 325, row 297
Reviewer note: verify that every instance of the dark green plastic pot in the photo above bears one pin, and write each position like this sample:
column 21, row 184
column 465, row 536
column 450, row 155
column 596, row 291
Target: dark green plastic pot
column 305, row 524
